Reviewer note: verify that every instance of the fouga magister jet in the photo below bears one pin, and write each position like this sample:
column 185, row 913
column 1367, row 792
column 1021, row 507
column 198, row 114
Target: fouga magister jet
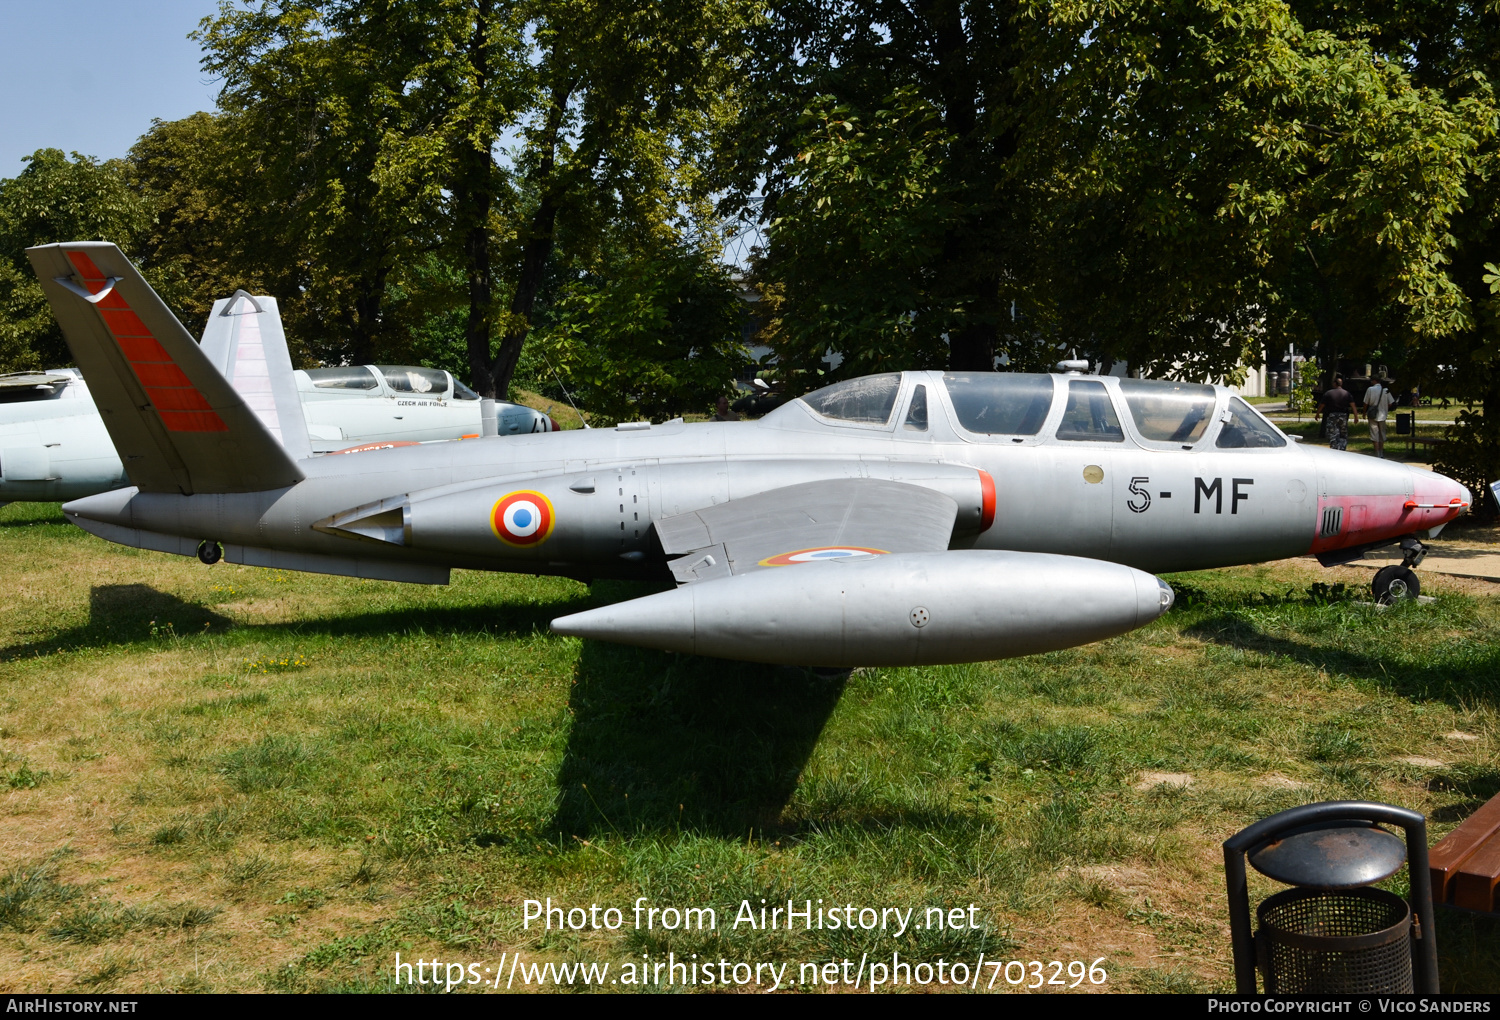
column 897, row 519
column 54, row 444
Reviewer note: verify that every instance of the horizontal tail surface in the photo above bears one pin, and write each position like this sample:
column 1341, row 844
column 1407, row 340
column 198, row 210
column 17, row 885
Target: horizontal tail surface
column 176, row 422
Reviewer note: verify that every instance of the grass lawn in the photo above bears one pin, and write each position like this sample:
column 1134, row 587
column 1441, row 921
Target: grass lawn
column 225, row 778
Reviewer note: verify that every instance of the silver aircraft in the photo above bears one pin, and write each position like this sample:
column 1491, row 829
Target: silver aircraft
column 54, row 444
column 907, row 518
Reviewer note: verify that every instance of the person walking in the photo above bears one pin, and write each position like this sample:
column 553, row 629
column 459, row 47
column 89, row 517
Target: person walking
column 1336, row 407
column 1379, row 399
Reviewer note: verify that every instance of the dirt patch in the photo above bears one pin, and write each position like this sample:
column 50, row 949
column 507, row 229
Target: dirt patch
column 1277, row 781
column 1426, row 763
column 1117, row 876
column 1151, row 780
column 1459, row 735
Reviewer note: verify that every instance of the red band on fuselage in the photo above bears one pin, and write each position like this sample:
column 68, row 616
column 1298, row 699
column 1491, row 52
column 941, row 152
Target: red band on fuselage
column 1364, row 519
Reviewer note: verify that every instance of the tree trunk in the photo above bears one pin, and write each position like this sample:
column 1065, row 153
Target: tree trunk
column 474, row 196
column 537, row 252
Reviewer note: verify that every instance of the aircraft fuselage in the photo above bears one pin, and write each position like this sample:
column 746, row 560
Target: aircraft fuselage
column 413, row 513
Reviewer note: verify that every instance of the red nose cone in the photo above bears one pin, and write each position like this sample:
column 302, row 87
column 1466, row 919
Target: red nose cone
column 1359, row 516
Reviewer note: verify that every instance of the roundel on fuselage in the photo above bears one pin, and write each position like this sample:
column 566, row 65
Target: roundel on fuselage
column 523, row 518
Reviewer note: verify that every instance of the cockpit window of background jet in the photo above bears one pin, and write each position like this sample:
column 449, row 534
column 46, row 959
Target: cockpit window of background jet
column 907, row 518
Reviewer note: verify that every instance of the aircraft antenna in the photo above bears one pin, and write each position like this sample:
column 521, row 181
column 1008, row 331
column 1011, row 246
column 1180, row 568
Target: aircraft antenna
column 564, row 389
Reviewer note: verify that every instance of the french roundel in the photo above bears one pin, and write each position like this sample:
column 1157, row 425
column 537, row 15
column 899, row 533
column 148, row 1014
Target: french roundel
column 523, row 518
column 832, row 552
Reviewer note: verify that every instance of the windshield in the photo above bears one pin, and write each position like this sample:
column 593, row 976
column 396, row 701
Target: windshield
column 353, row 377
column 868, row 400
column 428, row 382
column 1090, row 414
column 1169, row 412
column 462, row 392
column 1000, row 403
column 1247, row 430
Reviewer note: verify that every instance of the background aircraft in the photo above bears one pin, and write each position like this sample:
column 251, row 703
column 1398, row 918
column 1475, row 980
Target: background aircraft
column 54, row 444
column 906, row 518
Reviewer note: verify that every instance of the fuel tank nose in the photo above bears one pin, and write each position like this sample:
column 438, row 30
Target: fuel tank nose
column 1153, row 597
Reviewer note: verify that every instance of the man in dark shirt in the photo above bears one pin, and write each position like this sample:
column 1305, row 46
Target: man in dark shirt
column 1337, row 407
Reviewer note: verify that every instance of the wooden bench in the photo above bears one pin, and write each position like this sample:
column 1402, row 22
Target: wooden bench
column 1465, row 864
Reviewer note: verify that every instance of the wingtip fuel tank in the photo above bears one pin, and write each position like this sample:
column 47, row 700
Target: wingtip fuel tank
column 898, row 610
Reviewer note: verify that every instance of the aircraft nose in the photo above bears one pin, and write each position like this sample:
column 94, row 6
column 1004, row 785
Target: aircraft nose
column 1438, row 490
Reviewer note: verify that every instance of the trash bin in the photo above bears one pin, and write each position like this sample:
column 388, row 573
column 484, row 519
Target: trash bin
column 1404, row 423
column 1333, row 932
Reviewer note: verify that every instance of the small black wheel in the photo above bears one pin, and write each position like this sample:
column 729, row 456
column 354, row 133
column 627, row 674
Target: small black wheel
column 210, row 552
column 1394, row 583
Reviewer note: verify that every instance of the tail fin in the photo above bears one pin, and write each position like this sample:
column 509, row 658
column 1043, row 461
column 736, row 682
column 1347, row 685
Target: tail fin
column 176, row 422
column 245, row 342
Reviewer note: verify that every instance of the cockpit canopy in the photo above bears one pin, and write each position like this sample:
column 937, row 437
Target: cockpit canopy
column 1160, row 413
column 398, row 380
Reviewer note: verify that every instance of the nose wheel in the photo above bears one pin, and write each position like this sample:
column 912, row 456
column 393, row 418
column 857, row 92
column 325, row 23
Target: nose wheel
column 1399, row 581
column 210, row 552
column 1394, row 583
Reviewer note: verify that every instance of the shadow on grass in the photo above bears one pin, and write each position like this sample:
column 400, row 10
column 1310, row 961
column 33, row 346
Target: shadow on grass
column 664, row 742
column 122, row 614
column 1432, row 679
column 1468, row 952
column 24, row 515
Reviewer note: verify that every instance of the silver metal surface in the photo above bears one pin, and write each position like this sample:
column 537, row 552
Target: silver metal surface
column 898, row 610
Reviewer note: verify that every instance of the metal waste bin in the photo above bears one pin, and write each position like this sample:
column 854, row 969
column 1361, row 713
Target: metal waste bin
column 1404, row 423
column 1333, row 932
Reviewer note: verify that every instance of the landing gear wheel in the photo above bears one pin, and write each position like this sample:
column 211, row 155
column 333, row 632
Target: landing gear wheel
column 210, row 552
column 1394, row 583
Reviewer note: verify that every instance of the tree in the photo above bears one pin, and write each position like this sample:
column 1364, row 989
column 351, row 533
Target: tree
column 1258, row 178
column 1159, row 183
column 203, row 215
column 386, row 133
column 902, row 170
column 613, row 106
column 647, row 335
column 54, row 199
column 321, row 158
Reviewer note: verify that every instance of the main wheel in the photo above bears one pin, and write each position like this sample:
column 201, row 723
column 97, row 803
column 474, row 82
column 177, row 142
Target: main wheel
column 210, row 552
column 1394, row 583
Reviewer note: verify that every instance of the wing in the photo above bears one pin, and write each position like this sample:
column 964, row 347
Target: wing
column 178, row 425
column 831, row 519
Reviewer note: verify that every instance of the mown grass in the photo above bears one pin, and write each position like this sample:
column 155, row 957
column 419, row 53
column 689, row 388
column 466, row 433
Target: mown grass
column 238, row 779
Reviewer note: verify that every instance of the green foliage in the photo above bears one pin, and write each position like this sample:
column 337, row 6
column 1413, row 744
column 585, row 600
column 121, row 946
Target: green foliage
column 856, row 243
column 1160, row 184
column 649, row 337
column 54, row 199
column 1472, row 456
column 1300, row 399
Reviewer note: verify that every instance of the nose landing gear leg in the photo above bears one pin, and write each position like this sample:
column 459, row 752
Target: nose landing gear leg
column 1394, row 583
